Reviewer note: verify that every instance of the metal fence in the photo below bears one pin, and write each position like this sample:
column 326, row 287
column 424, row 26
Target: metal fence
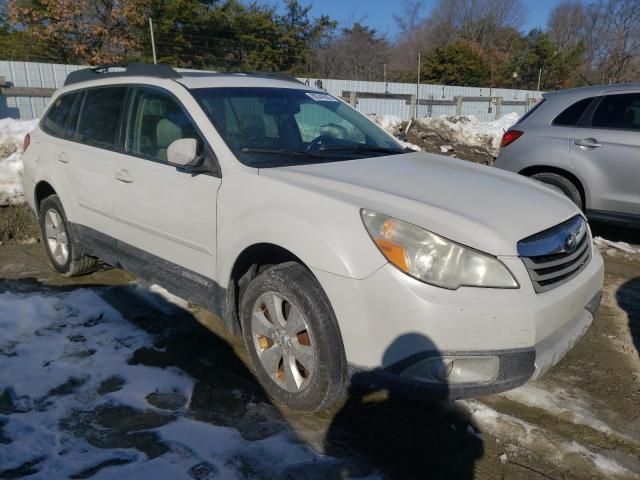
column 28, row 86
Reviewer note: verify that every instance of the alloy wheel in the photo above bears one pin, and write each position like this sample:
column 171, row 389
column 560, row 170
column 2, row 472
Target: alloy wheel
column 56, row 237
column 283, row 342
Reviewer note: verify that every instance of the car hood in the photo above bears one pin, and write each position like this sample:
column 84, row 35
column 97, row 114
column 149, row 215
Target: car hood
column 475, row 205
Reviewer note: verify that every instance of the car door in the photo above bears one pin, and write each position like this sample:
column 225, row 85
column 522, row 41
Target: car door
column 606, row 153
column 89, row 157
column 161, row 209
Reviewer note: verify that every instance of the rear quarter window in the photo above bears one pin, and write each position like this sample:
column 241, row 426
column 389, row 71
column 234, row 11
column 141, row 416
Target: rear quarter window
column 54, row 121
column 571, row 115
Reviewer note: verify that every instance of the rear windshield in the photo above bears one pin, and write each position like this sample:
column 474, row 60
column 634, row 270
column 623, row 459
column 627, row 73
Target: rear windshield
column 271, row 127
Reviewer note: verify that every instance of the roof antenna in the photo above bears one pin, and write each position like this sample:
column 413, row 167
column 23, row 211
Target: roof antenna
column 585, row 79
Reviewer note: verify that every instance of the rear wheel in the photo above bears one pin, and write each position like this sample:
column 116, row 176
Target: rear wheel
column 58, row 240
column 562, row 185
column 293, row 338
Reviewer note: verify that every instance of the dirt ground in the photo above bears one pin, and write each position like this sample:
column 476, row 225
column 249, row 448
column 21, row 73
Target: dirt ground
column 431, row 140
column 17, row 224
column 582, row 416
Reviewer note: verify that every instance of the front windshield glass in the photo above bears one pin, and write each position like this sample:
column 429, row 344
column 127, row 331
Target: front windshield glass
column 272, row 127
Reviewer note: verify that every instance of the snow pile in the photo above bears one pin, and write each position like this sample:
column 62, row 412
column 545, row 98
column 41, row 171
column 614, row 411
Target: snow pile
column 57, row 353
column 391, row 124
column 468, row 130
column 12, row 134
column 388, row 122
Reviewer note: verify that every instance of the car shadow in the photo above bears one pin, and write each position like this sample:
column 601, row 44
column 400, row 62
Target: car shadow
column 628, row 298
column 405, row 432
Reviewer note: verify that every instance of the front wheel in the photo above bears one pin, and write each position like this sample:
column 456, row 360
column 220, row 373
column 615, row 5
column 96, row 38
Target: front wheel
column 58, row 240
column 293, row 338
column 562, row 185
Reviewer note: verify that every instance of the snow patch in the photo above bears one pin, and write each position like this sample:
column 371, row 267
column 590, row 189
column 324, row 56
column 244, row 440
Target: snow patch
column 57, row 351
column 623, row 246
column 562, row 404
column 12, row 134
column 603, row 463
column 538, row 440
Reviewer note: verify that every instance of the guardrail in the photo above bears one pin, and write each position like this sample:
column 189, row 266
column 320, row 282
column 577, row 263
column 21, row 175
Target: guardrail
column 9, row 91
column 494, row 103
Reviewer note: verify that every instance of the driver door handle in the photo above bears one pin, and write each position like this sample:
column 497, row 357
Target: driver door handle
column 124, row 176
column 588, row 143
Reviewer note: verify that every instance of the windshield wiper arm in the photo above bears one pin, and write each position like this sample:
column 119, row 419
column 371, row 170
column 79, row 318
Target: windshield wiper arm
column 280, row 151
column 361, row 148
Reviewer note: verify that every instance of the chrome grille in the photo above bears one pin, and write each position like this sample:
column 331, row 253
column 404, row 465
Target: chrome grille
column 556, row 255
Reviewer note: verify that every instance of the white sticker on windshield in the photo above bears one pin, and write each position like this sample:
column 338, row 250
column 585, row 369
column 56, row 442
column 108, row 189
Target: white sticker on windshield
column 321, row 97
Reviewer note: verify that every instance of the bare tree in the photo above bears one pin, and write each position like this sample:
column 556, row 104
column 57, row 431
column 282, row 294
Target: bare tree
column 412, row 37
column 357, row 53
column 477, row 21
column 568, row 23
column 619, row 50
column 609, row 32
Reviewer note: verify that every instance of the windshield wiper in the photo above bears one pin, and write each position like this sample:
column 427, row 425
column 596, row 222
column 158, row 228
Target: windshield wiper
column 360, row 148
column 280, row 151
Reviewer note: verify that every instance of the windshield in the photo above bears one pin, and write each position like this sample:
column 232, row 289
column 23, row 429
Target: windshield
column 272, row 127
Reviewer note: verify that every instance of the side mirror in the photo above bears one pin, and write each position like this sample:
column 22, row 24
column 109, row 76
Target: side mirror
column 182, row 152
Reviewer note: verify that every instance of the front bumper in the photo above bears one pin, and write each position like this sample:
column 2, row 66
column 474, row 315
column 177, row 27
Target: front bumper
column 515, row 367
column 390, row 321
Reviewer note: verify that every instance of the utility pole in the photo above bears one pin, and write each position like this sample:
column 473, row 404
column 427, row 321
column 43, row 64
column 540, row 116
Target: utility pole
column 418, row 89
column 153, row 43
column 539, row 76
column 384, row 76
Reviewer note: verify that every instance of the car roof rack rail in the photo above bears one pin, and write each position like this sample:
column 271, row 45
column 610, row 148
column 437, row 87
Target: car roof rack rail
column 248, row 73
column 125, row 70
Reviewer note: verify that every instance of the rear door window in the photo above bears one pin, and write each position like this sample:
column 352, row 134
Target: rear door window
column 100, row 116
column 570, row 116
column 54, row 121
column 621, row 112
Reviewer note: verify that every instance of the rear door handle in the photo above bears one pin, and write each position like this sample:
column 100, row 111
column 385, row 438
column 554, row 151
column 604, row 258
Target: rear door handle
column 588, row 143
column 124, row 176
column 62, row 158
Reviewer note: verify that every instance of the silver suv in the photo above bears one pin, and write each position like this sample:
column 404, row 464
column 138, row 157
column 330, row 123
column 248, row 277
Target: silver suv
column 584, row 142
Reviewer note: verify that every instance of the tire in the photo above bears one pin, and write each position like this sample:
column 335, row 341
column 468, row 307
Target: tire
column 311, row 345
column 561, row 184
column 59, row 242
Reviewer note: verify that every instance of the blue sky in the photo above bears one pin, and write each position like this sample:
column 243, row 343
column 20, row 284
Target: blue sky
column 379, row 13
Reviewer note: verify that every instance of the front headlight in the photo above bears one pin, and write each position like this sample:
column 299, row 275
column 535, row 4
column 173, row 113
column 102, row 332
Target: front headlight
column 432, row 258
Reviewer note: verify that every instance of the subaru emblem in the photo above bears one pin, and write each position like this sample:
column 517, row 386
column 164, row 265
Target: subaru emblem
column 570, row 242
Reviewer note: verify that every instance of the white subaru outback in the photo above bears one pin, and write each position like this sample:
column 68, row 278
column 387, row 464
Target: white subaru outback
column 335, row 253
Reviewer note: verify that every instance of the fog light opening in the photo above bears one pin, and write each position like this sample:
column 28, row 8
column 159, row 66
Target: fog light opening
column 454, row 369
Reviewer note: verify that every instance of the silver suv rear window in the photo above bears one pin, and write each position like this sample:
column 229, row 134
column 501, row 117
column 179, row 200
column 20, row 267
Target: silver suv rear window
column 570, row 116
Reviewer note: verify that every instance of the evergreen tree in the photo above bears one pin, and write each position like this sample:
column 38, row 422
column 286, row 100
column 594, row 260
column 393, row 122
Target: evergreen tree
column 458, row 63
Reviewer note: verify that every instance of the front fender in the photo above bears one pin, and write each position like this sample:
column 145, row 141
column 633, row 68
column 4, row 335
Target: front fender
column 341, row 248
